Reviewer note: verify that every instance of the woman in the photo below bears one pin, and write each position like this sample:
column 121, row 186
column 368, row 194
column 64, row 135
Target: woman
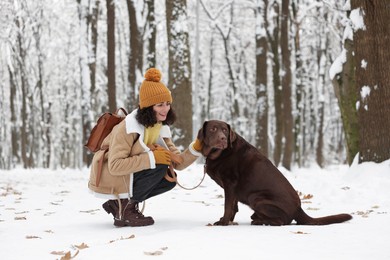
column 135, row 167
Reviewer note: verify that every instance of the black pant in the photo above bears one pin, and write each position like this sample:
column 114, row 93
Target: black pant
column 151, row 182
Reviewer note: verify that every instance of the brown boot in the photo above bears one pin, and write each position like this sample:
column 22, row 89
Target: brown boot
column 131, row 216
column 111, row 207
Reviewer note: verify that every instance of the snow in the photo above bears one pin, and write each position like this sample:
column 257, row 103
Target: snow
column 45, row 214
column 337, row 65
column 365, row 92
column 363, row 64
column 357, row 20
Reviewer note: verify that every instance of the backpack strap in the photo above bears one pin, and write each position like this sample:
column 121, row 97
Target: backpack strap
column 100, row 166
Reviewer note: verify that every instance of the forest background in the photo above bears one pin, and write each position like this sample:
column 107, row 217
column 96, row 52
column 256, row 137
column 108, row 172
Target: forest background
column 303, row 80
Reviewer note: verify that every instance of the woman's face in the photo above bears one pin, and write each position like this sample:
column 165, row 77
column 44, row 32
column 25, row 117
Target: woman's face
column 161, row 110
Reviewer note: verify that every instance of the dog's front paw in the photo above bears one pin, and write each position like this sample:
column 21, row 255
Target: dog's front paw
column 222, row 222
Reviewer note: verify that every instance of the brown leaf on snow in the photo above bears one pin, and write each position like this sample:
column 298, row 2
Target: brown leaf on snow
column 49, row 231
column 58, row 253
column 364, row 214
column 56, row 203
column 310, row 208
column 303, row 196
column 91, row 211
column 158, row 252
column 300, row 233
column 20, row 218
column 65, row 256
column 122, row 238
column 22, row 212
column 81, row 246
column 307, row 196
column 68, row 255
column 62, row 192
column 32, row 237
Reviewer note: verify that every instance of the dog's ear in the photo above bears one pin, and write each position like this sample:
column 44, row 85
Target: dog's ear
column 232, row 135
column 201, row 132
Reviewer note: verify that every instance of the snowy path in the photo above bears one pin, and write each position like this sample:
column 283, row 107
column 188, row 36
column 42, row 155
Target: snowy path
column 45, row 214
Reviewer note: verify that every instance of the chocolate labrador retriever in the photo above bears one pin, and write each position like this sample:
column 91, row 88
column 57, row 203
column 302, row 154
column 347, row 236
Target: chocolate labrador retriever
column 249, row 177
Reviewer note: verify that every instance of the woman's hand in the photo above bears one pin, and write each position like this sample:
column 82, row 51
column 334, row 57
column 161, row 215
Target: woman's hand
column 162, row 156
column 197, row 145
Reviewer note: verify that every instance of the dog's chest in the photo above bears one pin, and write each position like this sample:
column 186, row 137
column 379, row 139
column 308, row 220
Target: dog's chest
column 221, row 173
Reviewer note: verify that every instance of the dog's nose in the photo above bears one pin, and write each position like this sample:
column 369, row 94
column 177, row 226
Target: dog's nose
column 222, row 137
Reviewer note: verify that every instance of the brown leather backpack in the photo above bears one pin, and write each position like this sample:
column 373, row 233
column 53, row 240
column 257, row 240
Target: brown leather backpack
column 101, row 130
column 103, row 127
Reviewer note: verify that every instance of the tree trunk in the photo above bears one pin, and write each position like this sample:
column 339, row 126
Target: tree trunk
column 15, row 135
column 286, row 88
column 24, row 92
column 299, row 90
column 344, row 88
column 111, row 86
column 136, row 53
column 92, row 64
column 85, row 74
column 152, row 32
column 372, row 65
column 274, row 41
column 261, row 77
column 180, row 69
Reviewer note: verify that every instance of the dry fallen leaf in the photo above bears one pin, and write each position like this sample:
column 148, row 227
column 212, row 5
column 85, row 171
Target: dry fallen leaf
column 158, row 252
column 22, row 212
column 122, row 238
column 364, row 214
column 81, row 246
column 57, row 253
column 304, row 196
column 299, row 233
column 91, row 211
column 307, row 197
column 20, row 218
column 68, row 255
column 32, row 237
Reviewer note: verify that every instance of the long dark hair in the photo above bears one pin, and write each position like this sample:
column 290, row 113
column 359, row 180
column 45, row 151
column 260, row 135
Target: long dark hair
column 147, row 117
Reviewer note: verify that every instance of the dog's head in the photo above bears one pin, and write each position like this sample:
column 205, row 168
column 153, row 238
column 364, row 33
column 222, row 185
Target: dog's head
column 215, row 137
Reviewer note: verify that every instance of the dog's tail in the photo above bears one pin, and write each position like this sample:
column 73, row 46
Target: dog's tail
column 303, row 219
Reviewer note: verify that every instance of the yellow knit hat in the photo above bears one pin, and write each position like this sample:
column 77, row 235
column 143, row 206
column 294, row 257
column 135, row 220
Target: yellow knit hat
column 152, row 91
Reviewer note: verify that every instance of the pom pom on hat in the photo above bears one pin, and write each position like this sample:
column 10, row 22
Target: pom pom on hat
column 153, row 75
column 152, row 91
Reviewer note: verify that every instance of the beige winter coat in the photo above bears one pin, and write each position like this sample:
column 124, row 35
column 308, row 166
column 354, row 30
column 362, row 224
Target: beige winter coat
column 128, row 154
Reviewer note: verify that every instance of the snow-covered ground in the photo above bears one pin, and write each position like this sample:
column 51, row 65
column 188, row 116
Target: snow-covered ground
column 51, row 214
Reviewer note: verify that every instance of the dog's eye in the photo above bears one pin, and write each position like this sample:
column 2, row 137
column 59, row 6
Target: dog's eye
column 213, row 129
column 225, row 130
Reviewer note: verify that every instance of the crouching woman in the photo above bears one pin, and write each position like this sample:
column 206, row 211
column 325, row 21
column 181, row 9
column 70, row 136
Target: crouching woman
column 140, row 152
